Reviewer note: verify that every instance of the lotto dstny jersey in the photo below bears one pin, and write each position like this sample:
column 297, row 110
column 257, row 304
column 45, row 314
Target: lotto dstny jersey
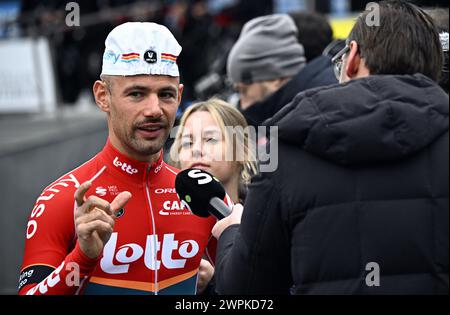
column 156, row 246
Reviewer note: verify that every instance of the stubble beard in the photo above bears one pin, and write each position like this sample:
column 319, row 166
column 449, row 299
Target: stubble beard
column 146, row 147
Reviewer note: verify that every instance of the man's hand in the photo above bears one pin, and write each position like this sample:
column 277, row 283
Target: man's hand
column 233, row 218
column 205, row 274
column 95, row 218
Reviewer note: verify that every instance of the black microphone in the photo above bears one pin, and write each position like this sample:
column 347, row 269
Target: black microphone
column 201, row 193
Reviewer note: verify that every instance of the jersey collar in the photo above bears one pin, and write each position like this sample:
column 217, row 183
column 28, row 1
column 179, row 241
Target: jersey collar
column 129, row 168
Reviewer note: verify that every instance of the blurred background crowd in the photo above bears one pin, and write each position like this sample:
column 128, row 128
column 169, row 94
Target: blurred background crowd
column 43, row 60
column 206, row 29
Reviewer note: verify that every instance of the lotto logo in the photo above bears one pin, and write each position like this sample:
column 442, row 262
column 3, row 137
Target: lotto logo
column 124, row 166
column 117, row 260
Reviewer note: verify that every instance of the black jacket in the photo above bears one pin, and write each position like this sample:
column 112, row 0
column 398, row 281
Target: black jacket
column 317, row 73
column 362, row 177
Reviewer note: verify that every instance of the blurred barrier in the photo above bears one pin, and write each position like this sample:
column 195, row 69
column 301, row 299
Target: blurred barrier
column 32, row 155
column 27, row 83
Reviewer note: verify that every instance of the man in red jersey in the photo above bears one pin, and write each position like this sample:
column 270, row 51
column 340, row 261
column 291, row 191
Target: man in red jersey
column 115, row 224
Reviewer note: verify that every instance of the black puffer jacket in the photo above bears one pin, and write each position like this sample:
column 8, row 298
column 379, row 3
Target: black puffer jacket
column 363, row 177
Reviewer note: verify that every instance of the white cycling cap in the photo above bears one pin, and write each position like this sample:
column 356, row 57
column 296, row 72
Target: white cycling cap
column 141, row 48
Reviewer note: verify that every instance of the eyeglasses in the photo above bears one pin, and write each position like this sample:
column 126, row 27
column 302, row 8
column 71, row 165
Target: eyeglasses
column 337, row 61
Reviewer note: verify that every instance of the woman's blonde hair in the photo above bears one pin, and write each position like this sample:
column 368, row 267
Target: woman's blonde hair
column 225, row 115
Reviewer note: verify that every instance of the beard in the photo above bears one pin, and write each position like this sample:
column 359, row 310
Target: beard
column 144, row 147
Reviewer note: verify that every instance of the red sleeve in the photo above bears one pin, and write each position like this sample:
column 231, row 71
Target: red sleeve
column 50, row 241
column 68, row 279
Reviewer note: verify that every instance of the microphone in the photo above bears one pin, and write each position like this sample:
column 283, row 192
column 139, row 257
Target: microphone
column 201, row 193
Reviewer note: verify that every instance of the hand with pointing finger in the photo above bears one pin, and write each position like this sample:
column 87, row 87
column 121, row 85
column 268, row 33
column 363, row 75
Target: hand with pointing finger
column 95, row 218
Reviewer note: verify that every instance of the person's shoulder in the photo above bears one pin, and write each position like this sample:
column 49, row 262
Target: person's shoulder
column 64, row 187
column 53, row 211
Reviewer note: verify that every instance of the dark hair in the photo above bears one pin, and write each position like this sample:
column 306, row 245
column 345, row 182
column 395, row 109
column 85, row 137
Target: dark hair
column 406, row 41
column 314, row 32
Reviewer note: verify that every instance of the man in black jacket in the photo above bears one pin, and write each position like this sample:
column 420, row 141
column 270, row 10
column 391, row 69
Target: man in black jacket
column 276, row 57
column 359, row 203
column 265, row 57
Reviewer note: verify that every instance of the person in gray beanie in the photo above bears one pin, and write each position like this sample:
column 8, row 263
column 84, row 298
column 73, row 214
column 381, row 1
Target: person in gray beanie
column 265, row 57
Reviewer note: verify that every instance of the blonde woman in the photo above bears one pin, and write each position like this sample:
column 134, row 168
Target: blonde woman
column 212, row 136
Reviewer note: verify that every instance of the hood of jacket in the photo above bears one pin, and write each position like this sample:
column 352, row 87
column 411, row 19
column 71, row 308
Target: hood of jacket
column 373, row 119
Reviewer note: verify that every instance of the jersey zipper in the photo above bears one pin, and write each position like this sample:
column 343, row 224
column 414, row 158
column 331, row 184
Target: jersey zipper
column 155, row 242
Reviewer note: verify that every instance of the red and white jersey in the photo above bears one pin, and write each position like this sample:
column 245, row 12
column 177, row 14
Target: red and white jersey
column 156, row 246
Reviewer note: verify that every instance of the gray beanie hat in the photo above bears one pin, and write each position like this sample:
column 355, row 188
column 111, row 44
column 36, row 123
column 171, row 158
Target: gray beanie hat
column 267, row 49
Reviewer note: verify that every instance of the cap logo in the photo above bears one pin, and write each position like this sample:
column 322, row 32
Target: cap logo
column 111, row 57
column 150, row 56
column 134, row 48
column 130, row 57
column 168, row 58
